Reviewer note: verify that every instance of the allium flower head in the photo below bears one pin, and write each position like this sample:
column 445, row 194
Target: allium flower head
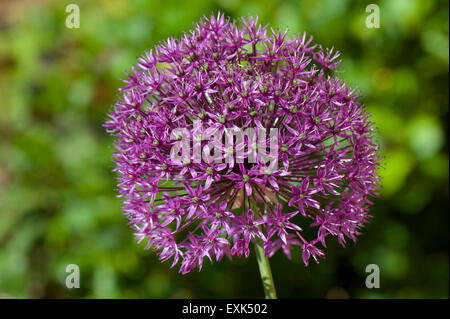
column 227, row 75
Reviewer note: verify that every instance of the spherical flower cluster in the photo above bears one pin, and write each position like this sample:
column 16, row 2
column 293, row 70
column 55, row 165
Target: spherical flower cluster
column 226, row 75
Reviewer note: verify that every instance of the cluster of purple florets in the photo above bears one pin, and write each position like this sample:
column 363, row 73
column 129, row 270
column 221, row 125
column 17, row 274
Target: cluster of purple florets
column 228, row 75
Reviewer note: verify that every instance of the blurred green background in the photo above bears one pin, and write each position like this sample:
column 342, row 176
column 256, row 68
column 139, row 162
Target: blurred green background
column 58, row 202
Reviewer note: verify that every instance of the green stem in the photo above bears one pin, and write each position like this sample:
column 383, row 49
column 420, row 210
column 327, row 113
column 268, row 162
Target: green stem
column 264, row 270
column 263, row 262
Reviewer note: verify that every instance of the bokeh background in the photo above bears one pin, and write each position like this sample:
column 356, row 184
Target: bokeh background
column 58, row 202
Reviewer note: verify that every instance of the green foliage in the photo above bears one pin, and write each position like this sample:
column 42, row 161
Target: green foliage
column 57, row 192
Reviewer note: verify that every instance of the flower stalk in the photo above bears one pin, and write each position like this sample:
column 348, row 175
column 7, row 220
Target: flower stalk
column 265, row 271
column 263, row 262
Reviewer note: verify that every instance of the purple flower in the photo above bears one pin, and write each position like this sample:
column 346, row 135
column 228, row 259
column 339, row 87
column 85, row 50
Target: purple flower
column 230, row 75
column 303, row 196
column 279, row 223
